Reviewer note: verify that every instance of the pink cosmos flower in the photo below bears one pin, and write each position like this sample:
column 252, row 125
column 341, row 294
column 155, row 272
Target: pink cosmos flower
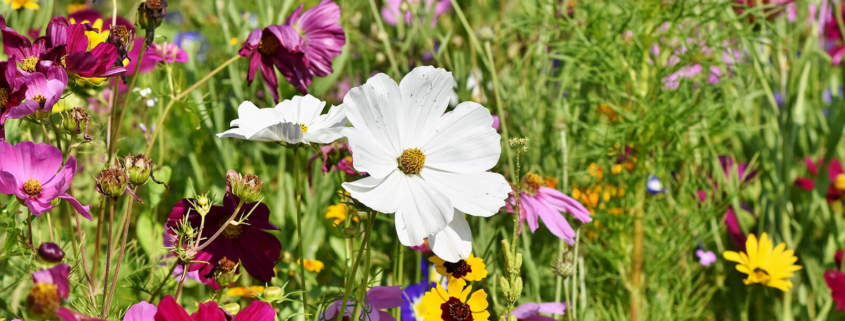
column 705, row 257
column 169, row 310
column 835, row 174
column 531, row 311
column 49, row 288
column 29, row 171
column 10, row 96
column 379, row 298
column 301, row 48
column 167, row 53
column 392, row 10
column 42, row 93
column 538, row 201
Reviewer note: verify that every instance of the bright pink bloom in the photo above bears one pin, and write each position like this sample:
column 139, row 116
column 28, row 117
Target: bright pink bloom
column 19, row 48
column 29, row 171
column 705, row 257
column 836, row 282
column 531, row 311
column 547, row 203
column 58, row 277
column 69, row 46
column 321, row 34
column 167, row 53
column 835, row 175
column 392, row 10
column 379, row 298
column 169, row 310
column 42, row 93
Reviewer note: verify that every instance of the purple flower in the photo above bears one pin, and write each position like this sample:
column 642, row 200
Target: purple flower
column 538, row 201
column 321, row 34
column 654, row 185
column 412, row 295
column 167, row 53
column 392, row 10
column 10, row 96
column 378, row 298
column 29, row 55
column 248, row 243
column 531, row 311
column 29, row 171
column 70, row 49
column 49, row 288
column 42, row 93
column 169, row 310
column 706, row 257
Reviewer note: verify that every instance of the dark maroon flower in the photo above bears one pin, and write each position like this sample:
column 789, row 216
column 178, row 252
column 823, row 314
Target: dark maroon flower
column 836, row 282
column 248, row 243
column 51, row 252
column 29, row 56
column 169, row 310
column 70, row 49
column 10, row 97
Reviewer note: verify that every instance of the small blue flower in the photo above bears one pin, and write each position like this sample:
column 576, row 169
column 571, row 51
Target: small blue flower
column 654, row 185
column 193, row 41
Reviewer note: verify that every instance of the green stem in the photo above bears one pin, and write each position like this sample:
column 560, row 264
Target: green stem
column 298, row 196
column 116, row 127
column 163, row 281
column 126, row 220
column 364, row 284
column 385, row 40
column 105, row 314
column 350, row 278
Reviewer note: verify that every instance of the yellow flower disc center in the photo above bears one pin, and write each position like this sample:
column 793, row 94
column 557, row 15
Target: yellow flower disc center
column 412, row 161
column 455, row 310
column 839, row 184
column 44, row 298
column 762, row 276
column 532, row 182
column 303, row 127
column 268, row 44
column 232, row 231
column 40, row 99
column 29, row 64
column 32, row 187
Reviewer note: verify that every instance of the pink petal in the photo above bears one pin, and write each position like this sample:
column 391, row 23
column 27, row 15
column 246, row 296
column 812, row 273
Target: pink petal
column 256, row 311
column 142, row 311
column 385, row 297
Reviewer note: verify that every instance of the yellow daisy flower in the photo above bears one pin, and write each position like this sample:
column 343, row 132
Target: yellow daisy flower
column 471, row 269
column 245, row 292
column 337, row 212
column 312, row 265
column 451, row 304
column 26, row 4
column 765, row 265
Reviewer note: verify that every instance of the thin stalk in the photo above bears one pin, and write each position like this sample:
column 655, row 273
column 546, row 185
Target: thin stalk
column 29, row 225
column 180, row 96
column 99, row 237
column 366, row 275
column 222, row 228
column 46, row 136
column 109, row 141
column 108, row 258
column 296, row 190
column 85, row 262
column 637, row 256
column 163, row 281
column 116, row 133
column 385, row 40
column 126, row 220
column 350, row 278
column 181, row 281
column 50, row 226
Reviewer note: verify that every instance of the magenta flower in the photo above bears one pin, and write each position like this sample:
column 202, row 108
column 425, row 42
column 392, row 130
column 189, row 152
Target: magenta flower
column 70, row 49
column 42, row 93
column 30, row 56
column 167, row 53
column 169, row 310
column 300, row 49
column 392, row 11
column 538, row 201
column 29, row 171
column 835, row 174
column 49, row 288
column 835, row 280
column 10, row 97
column 705, row 258
column 248, row 243
column 531, row 311
column 379, row 298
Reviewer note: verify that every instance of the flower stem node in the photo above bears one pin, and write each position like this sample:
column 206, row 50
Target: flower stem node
column 50, row 252
column 139, row 168
column 272, row 293
column 112, row 181
column 232, row 308
column 246, row 187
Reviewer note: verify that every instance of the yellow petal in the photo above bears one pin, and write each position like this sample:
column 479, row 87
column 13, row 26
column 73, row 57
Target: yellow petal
column 456, row 287
column 481, row 316
column 732, row 256
column 478, row 301
column 436, row 260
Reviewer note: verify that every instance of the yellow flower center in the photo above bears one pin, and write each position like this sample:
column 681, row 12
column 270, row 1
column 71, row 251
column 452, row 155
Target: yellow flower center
column 532, row 182
column 63, row 61
column 303, row 127
column 455, row 310
column 40, row 99
column 268, row 44
column 839, row 184
column 29, row 64
column 412, row 161
column 232, row 231
column 4, row 96
column 762, row 276
column 44, row 299
column 32, row 187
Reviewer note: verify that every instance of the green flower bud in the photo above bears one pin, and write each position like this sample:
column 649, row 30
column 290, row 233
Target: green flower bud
column 232, row 308
column 512, row 318
column 224, row 272
column 112, row 181
column 564, row 266
column 149, row 16
column 139, row 168
column 76, row 121
column 273, row 293
column 203, row 205
column 517, row 288
column 506, row 286
column 246, row 187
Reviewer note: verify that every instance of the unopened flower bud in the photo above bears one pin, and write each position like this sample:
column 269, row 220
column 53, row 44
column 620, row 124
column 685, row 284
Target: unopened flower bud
column 139, row 168
column 380, row 57
column 76, row 121
column 203, row 205
column 149, row 16
column 112, row 181
column 285, row 257
column 225, row 272
column 232, row 308
column 272, row 293
column 404, row 6
column 246, row 187
column 564, row 266
column 486, row 33
column 506, row 286
column 517, row 288
column 512, row 318
column 50, row 252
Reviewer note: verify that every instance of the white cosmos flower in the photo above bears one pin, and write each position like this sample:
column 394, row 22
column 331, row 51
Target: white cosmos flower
column 424, row 165
column 293, row 121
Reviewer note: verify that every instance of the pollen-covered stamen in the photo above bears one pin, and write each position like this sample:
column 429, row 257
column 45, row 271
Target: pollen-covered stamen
column 44, row 299
column 4, row 96
column 458, row 269
column 268, row 44
column 412, row 161
column 532, row 182
column 226, row 265
column 154, row 4
column 231, row 231
column 29, row 64
column 455, row 310
column 32, row 187
column 63, row 61
column 303, row 127
column 40, row 99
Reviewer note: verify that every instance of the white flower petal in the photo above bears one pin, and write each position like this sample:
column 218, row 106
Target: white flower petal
column 423, row 211
column 370, row 155
column 371, row 190
column 453, row 243
column 253, row 123
column 335, row 118
column 375, row 108
column 426, row 92
column 464, row 141
column 287, row 132
column 478, row 194
column 322, row 136
column 300, row 109
column 232, row 133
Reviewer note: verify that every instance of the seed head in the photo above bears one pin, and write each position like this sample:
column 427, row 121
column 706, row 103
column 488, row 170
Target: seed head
column 139, row 168
column 113, row 181
column 247, row 187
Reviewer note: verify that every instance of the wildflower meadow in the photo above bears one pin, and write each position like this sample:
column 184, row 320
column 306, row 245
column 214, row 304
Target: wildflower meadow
column 422, row 160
